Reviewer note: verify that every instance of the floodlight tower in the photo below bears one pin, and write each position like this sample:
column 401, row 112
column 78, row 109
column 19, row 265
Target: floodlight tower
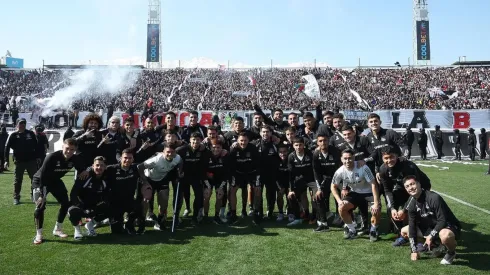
column 154, row 35
column 421, row 38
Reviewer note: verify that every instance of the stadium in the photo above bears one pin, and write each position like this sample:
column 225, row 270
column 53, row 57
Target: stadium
column 447, row 105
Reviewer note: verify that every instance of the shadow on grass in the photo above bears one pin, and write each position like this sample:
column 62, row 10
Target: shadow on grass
column 475, row 251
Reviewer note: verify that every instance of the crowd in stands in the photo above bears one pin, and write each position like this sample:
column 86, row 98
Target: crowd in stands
column 223, row 89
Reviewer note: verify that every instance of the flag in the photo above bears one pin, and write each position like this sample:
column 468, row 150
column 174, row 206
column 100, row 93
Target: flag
column 221, row 67
column 300, row 87
column 311, row 88
column 359, row 99
column 252, row 80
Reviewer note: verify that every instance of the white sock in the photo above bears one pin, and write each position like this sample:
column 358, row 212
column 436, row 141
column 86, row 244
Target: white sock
column 351, row 227
column 77, row 229
column 39, row 232
column 58, row 226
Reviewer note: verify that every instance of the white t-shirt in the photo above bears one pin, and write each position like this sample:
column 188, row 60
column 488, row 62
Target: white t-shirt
column 159, row 167
column 359, row 179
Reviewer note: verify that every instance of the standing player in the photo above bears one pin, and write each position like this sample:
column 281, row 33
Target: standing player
column 438, row 141
column 472, row 143
column 408, row 138
column 89, row 138
column 358, row 187
column 423, row 144
column 324, row 166
column 90, row 199
column 111, row 140
column 300, row 164
column 193, row 127
column 218, row 175
column 430, row 217
column 457, row 144
column 482, row 138
column 195, row 160
column 158, row 172
column 245, row 169
column 282, row 179
column 48, row 180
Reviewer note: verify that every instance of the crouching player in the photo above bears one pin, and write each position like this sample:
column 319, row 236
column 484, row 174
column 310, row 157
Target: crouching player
column 90, row 199
column 429, row 217
column 358, row 189
column 218, row 175
column 123, row 182
column 48, row 180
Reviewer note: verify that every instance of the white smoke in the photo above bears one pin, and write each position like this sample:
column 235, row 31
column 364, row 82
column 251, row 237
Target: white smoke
column 90, row 83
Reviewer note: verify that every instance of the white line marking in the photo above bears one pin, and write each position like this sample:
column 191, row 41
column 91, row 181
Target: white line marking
column 462, row 202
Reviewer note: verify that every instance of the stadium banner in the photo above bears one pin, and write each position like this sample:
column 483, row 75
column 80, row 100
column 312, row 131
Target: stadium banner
column 390, row 119
column 153, row 43
column 11, row 62
column 423, row 40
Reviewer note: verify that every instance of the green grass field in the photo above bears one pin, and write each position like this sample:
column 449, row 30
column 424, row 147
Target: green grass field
column 244, row 249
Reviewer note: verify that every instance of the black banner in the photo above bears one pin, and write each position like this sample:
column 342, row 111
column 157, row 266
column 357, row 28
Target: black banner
column 423, row 42
column 153, row 43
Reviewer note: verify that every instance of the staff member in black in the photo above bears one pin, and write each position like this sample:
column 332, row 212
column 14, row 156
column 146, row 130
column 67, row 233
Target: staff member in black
column 408, row 138
column 48, row 180
column 472, row 143
column 482, row 138
column 24, row 144
column 422, row 141
column 457, row 144
column 4, row 136
column 438, row 141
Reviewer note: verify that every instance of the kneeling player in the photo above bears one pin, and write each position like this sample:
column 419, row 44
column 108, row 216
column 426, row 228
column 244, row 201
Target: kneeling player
column 90, row 199
column 123, row 182
column 359, row 188
column 429, row 217
column 48, row 180
column 218, row 176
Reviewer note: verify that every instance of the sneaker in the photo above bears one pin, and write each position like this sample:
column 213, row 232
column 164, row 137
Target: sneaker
column 90, row 229
column 223, row 218
column 438, row 251
column 157, row 227
column 321, row 228
column 290, row 218
column 329, row 215
column 295, row 222
column 280, row 217
column 200, row 215
column 186, row 213
column 373, row 236
column 16, row 201
column 448, row 258
column 257, row 219
column 233, row 219
column 38, row 239
column 362, row 231
column 421, row 248
column 141, row 230
column 217, row 220
column 78, row 233
column 349, row 234
column 244, row 214
column 270, row 215
column 399, row 242
column 250, row 213
column 130, row 229
column 59, row 233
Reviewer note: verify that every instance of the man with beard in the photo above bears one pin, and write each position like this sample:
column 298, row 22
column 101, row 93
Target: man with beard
column 245, row 168
column 408, row 138
column 482, row 138
column 358, row 187
column 111, row 140
column 429, row 217
column 90, row 199
column 324, row 167
column 195, row 160
column 277, row 122
column 193, row 127
column 212, row 134
column 258, row 122
column 158, row 172
column 391, row 175
column 23, row 142
column 238, row 125
column 122, row 179
column 423, row 144
column 148, row 136
column 457, row 144
column 327, row 127
column 218, row 175
column 170, row 124
column 438, row 141
column 309, row 130
column 89, row 138
column 269, row 159
column 48, row 180
column 130, row 139
column 337, row 139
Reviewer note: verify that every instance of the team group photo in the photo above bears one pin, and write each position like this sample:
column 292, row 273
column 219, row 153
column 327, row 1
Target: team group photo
column 142, row 165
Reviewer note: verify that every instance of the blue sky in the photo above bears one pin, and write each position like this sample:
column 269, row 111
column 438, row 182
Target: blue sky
column 335, row 32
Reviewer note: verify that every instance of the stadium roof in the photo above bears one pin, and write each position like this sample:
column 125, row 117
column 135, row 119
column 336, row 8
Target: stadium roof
column 73, row 67
column 472, row 63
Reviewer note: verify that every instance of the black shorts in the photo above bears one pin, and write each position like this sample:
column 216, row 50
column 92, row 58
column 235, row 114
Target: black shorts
column 160, row 185
column 241, row 180
column 359, row 199
column 215, row 184
column 426, row 230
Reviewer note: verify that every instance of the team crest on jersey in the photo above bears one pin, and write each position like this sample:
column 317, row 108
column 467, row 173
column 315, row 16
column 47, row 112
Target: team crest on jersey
column 130, row 171
column 330, row 157
column 58, row 164
column 187, row 154
column 18, row 136
column 237, row 154
column 118, row 172
column 198, row 154
column 383, row 139
column 69, row 164
column 389, row 174
column 210, row 161
column 271, row 151
column 307, row 158
column 220, row 161
column 247, row 154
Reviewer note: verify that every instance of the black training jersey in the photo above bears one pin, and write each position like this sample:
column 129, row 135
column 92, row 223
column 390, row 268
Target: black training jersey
column 472, row 140
column 88, row 193
column 245, row 161
column 269, row 157
column 111, row 148
column 189, row 130
column 324, row 167
column 23, row 144
column 431, row 211
column 457, row 138
column 218, row 169
column 283, row 173
column 55, row 167
column 122, row 182
column 151, row 136
column 87, row 146
column 384, row 138
column 300, row 170
column 232, row 137
column 392, row 178
column 195, row 162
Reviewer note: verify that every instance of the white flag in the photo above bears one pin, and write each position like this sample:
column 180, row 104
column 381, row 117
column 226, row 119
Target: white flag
column 311, row 87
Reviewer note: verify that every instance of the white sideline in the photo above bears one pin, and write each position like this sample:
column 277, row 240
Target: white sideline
column 462, row 202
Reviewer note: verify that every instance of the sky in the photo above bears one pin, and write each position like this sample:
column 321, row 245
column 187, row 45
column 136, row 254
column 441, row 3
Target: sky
column 246, row 33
